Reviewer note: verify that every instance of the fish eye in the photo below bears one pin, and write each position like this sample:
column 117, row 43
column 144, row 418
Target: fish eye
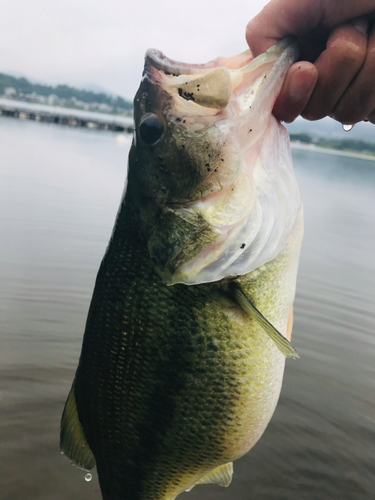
column 151, row 129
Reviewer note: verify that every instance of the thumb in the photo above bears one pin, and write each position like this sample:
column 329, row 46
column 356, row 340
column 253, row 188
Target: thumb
column 280, row 18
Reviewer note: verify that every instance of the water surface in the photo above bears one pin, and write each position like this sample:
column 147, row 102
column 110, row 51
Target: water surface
column 59, row 193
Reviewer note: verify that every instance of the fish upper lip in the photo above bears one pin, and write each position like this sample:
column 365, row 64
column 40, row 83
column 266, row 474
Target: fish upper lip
column 160, row 61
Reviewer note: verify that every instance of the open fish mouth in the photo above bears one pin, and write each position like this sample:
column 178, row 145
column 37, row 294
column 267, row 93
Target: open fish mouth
column 227, row 195
column 227, row 76
column 175, row 68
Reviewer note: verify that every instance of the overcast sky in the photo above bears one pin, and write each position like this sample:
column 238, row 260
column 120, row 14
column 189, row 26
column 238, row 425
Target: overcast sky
column 102, row 42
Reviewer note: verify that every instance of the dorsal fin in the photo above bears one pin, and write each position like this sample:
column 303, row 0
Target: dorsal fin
column 222, row 476
column 284, row 346
column 72, row 439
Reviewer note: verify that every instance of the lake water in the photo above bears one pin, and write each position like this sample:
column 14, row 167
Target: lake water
column 59, row 193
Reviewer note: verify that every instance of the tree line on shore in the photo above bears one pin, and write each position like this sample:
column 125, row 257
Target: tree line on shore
column 23, row 89
column 356, row 145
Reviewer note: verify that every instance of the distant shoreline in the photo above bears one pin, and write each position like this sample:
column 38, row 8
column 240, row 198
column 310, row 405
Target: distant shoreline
column 122, row 124
column 65, row 116
column 331, row 151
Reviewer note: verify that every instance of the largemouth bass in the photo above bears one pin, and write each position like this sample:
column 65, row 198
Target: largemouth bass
column 186, row 337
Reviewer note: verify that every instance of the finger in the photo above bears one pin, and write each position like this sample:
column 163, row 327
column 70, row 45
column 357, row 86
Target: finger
column 359, row 99
column 296, row 91
column 371, row 117
column 280, row 18
column 337, row 66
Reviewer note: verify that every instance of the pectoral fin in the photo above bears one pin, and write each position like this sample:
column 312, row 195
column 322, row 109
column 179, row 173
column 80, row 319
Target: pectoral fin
column 72, row 439
column 289, row 327
column 221, row 475
column 284, row 346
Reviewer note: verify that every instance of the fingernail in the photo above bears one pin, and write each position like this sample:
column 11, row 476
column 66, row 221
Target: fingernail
column 301, row 83
column 360, row 24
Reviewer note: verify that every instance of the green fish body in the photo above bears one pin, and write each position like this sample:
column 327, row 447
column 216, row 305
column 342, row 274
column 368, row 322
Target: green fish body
column 181, row 368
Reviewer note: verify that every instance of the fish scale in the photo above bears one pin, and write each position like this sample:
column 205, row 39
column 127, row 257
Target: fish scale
column 164, row 390
column 176, row 381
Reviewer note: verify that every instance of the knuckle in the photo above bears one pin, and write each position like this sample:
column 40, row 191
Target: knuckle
column 371, row 117
column 352, row 55
column 286, row 116
column 354, row 105
column 349, row 53
column 250, row 32
column 315, row 110
column 312, row 115
column 345, row 113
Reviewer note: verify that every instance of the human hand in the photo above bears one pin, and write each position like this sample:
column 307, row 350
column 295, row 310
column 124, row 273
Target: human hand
column 336, row 72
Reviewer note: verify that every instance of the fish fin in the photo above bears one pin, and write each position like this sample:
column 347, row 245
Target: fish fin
column 222, row 476
column 283, row 344
column 289, row 328
column 72, row 439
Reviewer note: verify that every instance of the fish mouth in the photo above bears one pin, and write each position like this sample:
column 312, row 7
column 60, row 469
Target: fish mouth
column 158, row 60
column 221, row 81
column 240, row 214
column 170, row 67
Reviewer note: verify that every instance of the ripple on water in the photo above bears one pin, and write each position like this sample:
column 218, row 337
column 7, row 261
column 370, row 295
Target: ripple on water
column 57, row 207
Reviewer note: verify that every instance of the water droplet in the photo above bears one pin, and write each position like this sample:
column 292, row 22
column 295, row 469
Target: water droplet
column 88, row 477
column 347, row 128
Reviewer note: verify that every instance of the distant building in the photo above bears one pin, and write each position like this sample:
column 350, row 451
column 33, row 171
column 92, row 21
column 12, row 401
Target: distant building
column 105, row 108
column 52, row 100
column 10, row 92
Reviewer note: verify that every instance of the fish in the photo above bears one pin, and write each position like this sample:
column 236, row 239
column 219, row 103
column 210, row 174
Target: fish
column 189, row 325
